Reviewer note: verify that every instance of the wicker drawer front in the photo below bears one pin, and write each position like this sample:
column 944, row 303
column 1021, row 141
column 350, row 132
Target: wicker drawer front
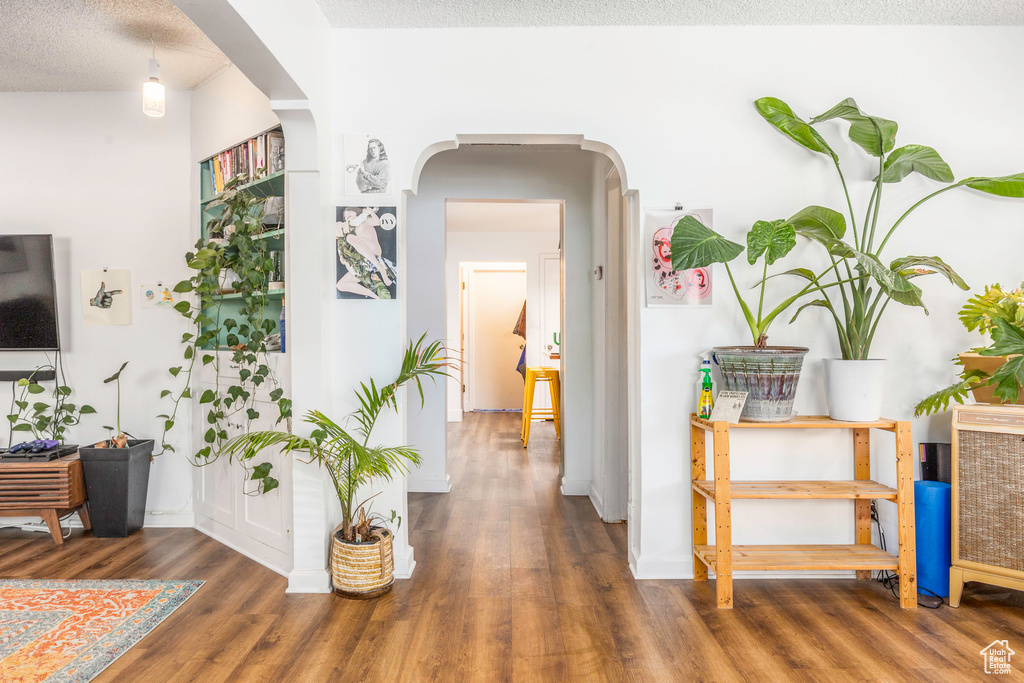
column 991, row 491
column 41, row 486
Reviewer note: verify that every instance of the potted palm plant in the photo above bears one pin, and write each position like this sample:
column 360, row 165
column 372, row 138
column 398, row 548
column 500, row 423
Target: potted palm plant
column 117, row 477
column 769, row 374
column 993, row 373
column 362, row 565
column 866, row 284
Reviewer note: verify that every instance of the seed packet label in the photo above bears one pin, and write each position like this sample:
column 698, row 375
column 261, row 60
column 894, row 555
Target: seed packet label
column 728, row 406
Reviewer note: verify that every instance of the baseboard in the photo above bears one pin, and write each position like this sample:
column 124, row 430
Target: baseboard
column 431, row 485
column 405, row 563
column 162, row 519
column 597, row 501
column 455, row 415
column 579, row 487
column 309, row 581
column 271, row 558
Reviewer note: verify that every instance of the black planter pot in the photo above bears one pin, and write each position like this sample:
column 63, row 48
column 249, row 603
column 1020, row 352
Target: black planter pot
column 116, row 481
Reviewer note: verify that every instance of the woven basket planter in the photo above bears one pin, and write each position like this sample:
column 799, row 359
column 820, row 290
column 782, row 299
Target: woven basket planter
column 362, row 570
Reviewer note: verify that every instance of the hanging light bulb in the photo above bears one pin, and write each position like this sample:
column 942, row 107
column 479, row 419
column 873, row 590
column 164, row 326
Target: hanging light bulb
column 153, row 95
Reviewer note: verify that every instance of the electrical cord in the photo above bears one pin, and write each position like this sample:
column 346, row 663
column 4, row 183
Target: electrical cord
column 886, row 577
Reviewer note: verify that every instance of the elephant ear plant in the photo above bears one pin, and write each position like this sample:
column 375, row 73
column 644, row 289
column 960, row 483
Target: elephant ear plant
column 866, row 284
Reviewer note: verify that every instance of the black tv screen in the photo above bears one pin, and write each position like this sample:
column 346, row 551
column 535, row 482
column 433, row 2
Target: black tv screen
column 28, row 294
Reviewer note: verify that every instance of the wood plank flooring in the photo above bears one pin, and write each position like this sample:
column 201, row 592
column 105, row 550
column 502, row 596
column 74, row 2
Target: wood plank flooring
column 516, row 582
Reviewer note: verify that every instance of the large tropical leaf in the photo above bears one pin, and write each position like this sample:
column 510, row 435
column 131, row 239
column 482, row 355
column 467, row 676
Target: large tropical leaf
column 874, row 134
column 1007, row 339
column 778, row 113
column 818, row 223
column 892, row 283
column 1004, row 186
column 916, row 266
column 916, row 159
column 1008, row 379
column 694, row 245
column 940, row 400
column 820, row 303
column 774, row 239
column 805, row 273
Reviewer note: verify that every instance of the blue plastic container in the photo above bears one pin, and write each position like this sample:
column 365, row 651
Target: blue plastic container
column 933, row 522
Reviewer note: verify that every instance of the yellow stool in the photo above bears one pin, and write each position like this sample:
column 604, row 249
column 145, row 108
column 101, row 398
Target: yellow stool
column 534, row 375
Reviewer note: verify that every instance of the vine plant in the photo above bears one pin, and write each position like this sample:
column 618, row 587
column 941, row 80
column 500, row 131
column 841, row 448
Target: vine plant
column 38, row 416
column 237, row 262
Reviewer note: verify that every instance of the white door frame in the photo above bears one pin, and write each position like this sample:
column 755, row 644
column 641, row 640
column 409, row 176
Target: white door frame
column 467, row 270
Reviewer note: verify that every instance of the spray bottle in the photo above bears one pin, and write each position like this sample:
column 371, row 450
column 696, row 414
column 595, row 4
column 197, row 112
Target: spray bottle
column 706, row 401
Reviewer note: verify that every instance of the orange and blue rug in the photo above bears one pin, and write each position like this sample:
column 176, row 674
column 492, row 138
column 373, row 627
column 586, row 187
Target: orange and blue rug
column 69, row 631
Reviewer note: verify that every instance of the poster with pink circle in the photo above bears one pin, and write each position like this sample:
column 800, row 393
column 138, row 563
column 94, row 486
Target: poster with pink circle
column 667, row 287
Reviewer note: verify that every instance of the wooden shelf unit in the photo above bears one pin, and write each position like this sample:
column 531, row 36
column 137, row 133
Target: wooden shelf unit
column 49, row 490
column 723, row 557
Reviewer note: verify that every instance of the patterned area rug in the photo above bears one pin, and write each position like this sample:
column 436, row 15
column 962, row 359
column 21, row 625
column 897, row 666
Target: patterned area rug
column 69, row 631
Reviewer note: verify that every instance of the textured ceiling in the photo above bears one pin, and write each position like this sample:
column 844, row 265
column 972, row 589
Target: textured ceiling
column 467, row 13
column 497, row 216
column 86, row 45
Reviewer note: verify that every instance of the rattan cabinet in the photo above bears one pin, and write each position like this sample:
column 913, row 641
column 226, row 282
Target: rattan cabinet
column 723, row 557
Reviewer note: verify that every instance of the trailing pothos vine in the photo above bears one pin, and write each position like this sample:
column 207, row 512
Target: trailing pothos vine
column 233, row 260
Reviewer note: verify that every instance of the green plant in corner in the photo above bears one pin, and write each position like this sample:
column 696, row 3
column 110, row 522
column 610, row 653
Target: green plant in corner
column 349, row 458
column 242, row 264
column 36, row 415
column 866, row 285
column 999, row 313
column 119, row 438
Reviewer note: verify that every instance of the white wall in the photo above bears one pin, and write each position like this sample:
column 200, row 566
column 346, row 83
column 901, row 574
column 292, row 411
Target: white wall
column 676, row 104
column 112, row 186
column 522, row 247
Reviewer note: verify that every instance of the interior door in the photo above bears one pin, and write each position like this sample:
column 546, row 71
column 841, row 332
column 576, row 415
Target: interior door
column 496, row 300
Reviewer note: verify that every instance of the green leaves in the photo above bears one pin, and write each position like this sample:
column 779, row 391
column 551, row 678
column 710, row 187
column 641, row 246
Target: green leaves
column 916, row 266
column 915, row 159
column 940, row 400
column 35, row 389
column 892, row 283
column 819, row 223
column 1005, row 186
column 116, row 375
column 694, row 245
column 778, row 113
column 774, row 239
column 874, row 134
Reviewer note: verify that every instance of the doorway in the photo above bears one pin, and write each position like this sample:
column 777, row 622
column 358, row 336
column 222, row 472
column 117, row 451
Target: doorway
column 494, row 299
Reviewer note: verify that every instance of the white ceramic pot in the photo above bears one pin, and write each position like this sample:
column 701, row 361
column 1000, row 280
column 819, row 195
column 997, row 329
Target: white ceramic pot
column 855, row 389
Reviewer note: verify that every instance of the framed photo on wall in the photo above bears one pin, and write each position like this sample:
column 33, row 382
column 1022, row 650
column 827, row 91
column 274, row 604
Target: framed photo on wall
column 367, row 165
column 367, row 248
column 667, row 287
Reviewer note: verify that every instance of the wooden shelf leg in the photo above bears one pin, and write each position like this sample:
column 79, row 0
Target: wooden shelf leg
column 905, row 511
column 698, row 472
column 723, row 517
column 862, row 472
column 83, row 514
column 956, row 586
column 53, row 522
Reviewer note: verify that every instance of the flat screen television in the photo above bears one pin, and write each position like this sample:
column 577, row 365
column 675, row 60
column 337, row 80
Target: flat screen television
column 28, row 294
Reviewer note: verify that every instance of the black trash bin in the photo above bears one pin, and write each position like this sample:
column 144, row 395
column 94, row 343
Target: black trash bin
column 116, row 482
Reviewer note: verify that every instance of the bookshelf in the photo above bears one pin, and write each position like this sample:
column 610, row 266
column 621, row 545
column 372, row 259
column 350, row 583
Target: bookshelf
column 260, row 157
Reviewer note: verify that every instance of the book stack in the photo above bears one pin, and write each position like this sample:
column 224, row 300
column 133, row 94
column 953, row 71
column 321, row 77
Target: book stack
column 255, row 158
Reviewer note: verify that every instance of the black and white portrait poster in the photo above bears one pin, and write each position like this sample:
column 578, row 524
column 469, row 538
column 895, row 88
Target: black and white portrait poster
column 667, row 287
column 367, row 166
column 367, row 252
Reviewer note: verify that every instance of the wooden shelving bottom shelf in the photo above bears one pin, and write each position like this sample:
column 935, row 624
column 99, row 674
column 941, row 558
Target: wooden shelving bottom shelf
column 810, row 490
column 795, row 557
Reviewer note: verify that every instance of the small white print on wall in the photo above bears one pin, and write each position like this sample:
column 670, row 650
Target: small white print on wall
column 667, row 287
column 157, row 295
column 367, row 166
column 106, row 297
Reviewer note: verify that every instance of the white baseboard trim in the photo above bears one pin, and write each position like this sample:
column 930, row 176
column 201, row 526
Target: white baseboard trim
column 271, row 558
column 631, row 556
column 597, row 501
column 455, row 415
column 430, row 485
column 405, row 563
column 309, row 581
column 580, row 487
column 162, row 519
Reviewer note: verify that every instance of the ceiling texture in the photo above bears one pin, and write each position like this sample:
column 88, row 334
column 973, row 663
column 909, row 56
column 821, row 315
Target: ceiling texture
column 88, row 45
column 508, row 13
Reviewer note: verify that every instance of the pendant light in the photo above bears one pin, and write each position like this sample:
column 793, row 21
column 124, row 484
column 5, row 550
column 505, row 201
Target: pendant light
column 153, row 95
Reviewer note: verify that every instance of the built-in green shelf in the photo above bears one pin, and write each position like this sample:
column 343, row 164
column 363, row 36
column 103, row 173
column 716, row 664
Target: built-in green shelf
column 238, row 295
column 267, row 186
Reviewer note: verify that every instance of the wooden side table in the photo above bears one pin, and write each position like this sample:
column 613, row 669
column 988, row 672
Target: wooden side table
column 723, row 557
column 49, row 490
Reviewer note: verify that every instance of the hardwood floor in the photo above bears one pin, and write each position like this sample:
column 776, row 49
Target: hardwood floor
column 516, row 582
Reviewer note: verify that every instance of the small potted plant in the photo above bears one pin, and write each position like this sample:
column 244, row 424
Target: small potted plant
column 769, row 374
column 362, row 565
column 117, row 477
column 993, row 373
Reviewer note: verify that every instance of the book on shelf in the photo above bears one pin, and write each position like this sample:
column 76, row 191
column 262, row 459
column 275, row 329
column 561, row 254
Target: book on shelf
column 256, row 158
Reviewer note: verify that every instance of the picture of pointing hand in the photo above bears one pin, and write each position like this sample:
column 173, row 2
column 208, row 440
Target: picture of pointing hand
column 104, row 299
